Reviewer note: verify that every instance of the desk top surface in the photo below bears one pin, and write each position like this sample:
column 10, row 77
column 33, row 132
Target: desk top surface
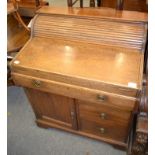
column 106, row 64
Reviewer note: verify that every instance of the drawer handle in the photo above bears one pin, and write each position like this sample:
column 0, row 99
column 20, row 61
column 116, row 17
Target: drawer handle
column 72, row 114
column 36, row 83
column 102, row 130
column 103, row 115
column 101, row 97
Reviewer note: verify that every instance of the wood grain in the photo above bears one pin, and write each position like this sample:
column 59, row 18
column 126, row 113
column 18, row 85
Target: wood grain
column 104, row 13
column 111, row 130
column 132, row 5
column 28, row 7
column 71, row 62
column 93, row 111
column 82, row 70
column 101, row 31
column 91, row 95
column 51, row 107
column 17, row 35
column 47, row 124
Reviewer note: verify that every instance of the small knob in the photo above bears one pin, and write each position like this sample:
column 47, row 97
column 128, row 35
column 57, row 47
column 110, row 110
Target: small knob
column 102, row 115
column 101, row 97
column 36, row 83
column 102, row 130
column 72, row 114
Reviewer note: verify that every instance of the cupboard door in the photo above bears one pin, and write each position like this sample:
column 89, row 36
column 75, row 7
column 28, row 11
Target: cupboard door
column 52, row 108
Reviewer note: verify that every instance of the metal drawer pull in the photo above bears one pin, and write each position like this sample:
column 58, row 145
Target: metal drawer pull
column 36, row 83
column 101, row 97
column 72, row 114
column 102, row 130
column 103, row 115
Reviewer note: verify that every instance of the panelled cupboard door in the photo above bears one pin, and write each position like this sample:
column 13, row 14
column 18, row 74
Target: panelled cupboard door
column 52, row 108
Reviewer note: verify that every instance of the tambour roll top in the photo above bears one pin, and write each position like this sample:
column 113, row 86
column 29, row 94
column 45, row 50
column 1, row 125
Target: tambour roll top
column 100, row 26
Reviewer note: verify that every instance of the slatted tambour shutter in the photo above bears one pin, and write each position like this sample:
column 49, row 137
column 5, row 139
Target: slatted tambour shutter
column 99, row 31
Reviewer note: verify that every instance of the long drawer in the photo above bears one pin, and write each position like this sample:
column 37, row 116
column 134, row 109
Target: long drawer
column 74, row 91
column 108, row 130
column 100, row 113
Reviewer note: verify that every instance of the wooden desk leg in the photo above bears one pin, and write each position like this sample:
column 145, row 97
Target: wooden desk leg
column 99, row 3
column 69, row 2
column 92, row 3
column 81, row 3
column 119, row 5
column 37, row 3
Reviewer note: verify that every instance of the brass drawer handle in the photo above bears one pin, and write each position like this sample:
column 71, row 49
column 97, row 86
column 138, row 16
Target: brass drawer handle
column 103, row 115
column 72, row 114
column 102, row 130
column 101, row 97
column 36, row 83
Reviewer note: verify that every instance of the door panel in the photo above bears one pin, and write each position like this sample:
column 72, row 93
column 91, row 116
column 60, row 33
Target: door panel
column 53, row 108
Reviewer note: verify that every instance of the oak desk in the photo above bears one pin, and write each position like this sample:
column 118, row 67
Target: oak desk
column 84, row 77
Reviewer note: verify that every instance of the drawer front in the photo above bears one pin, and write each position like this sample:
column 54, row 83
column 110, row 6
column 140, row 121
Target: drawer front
column 101, row 113
column 109, row 130
column 73, row 91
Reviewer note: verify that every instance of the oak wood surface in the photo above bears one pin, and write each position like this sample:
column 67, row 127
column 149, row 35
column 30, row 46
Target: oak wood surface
column 31, row 3
column 47, row 124
column 73, row 60
column 101, row 26
column 91, row 95
column 101, row 31
column 17, row 30
column 52, row 107
column 17, row 35
column 70, row 81
column 115, row 123
column 94, row 111
column 56, row 110
column 111, row 130
column 28, row 7
column 10, row 8
column 133, row 5
column 107, row 13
